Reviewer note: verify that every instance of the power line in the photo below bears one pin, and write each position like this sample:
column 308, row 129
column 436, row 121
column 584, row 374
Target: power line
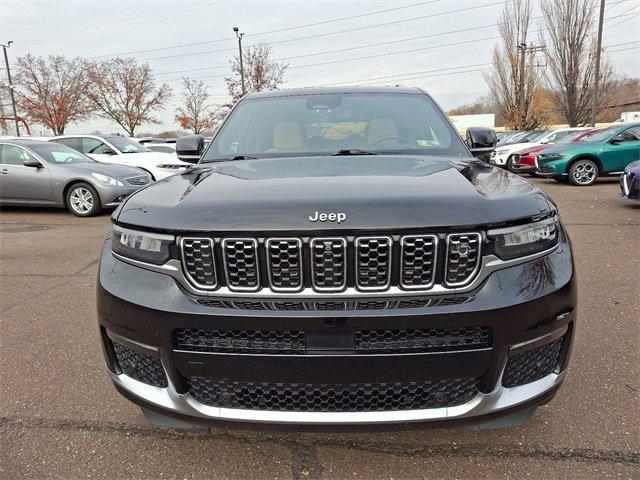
column 623, row 21
column 345, row 49
column 365, row 27
column 266, row 32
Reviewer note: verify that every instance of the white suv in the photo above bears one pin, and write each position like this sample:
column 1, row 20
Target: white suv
column 503, row 155
column 124, row 151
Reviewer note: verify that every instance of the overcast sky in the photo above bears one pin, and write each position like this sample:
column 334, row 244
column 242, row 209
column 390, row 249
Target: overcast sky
column 98, row 29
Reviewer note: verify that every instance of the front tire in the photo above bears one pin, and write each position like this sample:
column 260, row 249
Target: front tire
column 83, row 200
column 583, row 173
column 509, row 164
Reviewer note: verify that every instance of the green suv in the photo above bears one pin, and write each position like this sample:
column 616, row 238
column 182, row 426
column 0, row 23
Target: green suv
column 604, row 152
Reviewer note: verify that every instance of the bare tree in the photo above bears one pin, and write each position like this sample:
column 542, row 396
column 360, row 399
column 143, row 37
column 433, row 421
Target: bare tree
column 126, row 92
column 260, row 72
column 196, row 113
column 571, row 48
column 518, row 108
column 53, row 91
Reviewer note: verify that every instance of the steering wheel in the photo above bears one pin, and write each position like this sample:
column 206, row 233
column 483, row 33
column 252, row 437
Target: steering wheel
column 390, row 137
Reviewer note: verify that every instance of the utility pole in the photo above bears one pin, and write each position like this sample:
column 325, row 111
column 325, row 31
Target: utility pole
column 240, row 35
column 594, row 106
column 13, row 98
column 523, row 50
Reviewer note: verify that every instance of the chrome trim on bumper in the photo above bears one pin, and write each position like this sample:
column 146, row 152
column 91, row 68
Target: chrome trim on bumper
column 489, row 264
column 501, row 398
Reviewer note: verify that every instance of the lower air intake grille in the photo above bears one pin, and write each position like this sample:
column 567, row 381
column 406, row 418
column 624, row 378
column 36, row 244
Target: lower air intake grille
column 142, row 367
column 463, row 257
column 301, row 397
column 239, row 341
column 426, row 340
column 532, row 365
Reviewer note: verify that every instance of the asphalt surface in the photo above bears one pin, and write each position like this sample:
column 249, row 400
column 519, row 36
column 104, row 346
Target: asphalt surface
column 61, row 418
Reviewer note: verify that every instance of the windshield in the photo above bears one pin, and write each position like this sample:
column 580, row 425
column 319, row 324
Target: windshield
column 599, row 135
column 327, row 123
column 126, row 145
column 57, row 153
column 532, row 137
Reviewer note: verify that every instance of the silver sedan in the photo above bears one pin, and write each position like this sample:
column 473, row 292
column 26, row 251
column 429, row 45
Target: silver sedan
column 50, row 174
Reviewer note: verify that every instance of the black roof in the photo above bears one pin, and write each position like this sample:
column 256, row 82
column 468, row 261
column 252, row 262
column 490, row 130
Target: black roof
column 289, row 92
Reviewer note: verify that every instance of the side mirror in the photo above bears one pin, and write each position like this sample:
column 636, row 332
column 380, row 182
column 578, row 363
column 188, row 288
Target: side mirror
column 32, row 164
column 615, row 140
column 189, row 148
column 481, row 141
column 107, row 151
column 545, row 141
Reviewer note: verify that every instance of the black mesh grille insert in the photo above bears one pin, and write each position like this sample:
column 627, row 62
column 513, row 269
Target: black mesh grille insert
column 532, row 365
column 285, row 263
column 239, row 341
column 463, row 255
column 418, row 261
column 373, row 268
column 328, row 256
column 426, row 340
column 241, row 262
column 333, row 398
column 199, row 261
column 144, row 368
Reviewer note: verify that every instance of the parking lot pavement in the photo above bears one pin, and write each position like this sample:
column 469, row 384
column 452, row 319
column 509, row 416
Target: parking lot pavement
column 60, row 417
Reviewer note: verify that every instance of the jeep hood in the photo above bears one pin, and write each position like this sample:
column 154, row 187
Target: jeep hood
column 375, row 192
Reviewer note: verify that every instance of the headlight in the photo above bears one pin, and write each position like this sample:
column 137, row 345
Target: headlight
column 107, row 180
column 550, row 156
column 525, row 239
column 502, row 151
column 142, row 246
column 168, row 166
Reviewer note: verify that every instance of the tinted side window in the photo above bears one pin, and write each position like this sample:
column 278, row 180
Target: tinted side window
column 631, row 134
column 12, row 155
column 92, row 145
column 70, row 142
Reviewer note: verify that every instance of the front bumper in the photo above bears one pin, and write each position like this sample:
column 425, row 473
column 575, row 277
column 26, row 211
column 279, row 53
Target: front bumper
column 113, row 196
column 526, row 306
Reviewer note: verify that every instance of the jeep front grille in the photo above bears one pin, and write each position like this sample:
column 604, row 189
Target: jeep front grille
column 332, row 264
column 329, row 264
column 463, row 258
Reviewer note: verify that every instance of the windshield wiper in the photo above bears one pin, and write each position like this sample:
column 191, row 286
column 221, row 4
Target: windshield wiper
column 352, row 151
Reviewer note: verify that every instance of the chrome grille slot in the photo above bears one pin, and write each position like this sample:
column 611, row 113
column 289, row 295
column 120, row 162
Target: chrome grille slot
column 463, row 258
column 329, row 258
column 418, row 259
column 198, row 261
column 241, row 263
column 373, row 263
column 284, row 258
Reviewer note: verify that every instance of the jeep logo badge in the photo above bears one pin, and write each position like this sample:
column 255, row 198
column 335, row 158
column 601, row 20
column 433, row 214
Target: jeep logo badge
column 328, row 217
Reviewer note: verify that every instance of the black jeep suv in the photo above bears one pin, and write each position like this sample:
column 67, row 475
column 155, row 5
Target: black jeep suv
column 337, row 256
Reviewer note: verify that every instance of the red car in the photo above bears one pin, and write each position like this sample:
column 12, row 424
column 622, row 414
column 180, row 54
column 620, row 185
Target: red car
column 525, row 161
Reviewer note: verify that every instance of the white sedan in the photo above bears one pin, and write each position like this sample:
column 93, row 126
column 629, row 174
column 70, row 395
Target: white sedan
column 124, row 151
column 503, row 155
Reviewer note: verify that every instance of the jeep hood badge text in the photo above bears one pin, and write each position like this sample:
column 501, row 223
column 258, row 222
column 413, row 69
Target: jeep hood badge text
column 328, row 217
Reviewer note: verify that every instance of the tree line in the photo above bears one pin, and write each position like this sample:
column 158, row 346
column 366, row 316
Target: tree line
column 558, row 88
column 57, row 91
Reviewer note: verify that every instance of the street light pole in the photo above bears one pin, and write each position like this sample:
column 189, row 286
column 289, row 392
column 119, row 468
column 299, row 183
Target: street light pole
column 594, row 105
column 240, row 35
column 13, row 98
column 522, row 48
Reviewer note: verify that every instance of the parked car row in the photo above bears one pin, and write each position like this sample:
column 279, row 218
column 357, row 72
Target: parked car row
column 578, row 155
column 83, row 173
